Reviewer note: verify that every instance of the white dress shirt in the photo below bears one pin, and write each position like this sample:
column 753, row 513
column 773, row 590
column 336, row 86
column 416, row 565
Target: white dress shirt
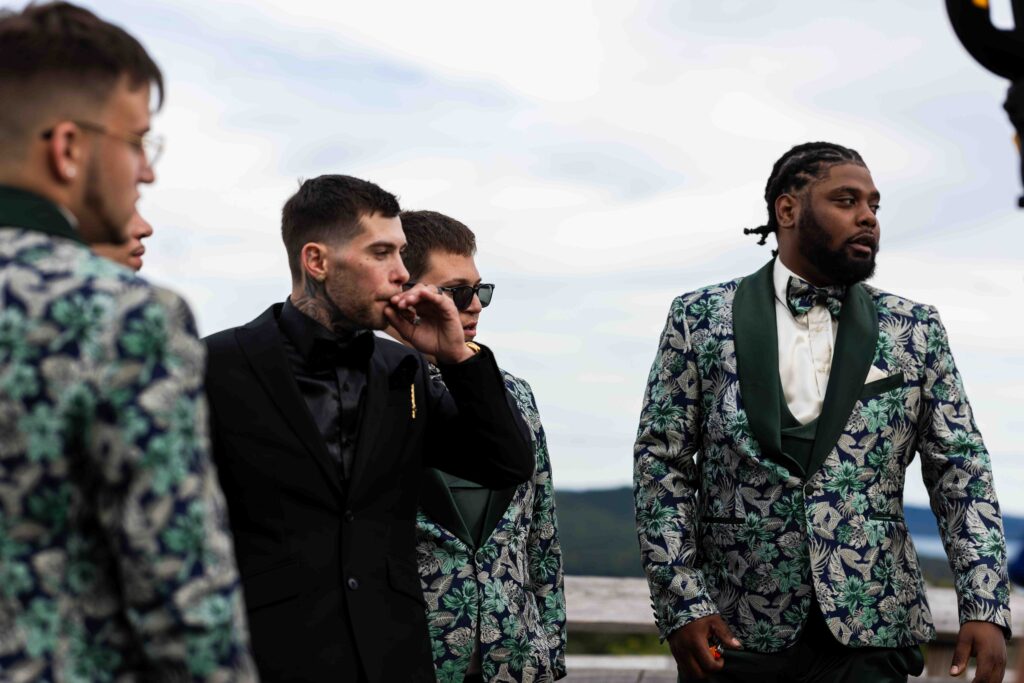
column 806, row 343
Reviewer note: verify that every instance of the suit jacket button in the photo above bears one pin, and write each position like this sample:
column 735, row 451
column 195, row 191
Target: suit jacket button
column 352, row 583
column 808, row 489
column 349, row 516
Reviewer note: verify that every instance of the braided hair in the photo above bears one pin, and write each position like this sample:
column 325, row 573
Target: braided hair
column 794, row 170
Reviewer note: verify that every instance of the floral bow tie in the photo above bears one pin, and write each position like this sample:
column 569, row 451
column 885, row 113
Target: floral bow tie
column 802, row 296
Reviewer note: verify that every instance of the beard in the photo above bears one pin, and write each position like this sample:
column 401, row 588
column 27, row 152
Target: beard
column 352, row 310
column 837, row 265
column 104, row 227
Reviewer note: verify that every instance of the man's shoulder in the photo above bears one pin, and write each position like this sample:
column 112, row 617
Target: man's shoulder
column 704, row 303
column 393, row 355
column 61, row 262
column 226, row 339
column 522, row 394
column 393, row 350
column 515, row 383
column 66, row 277
column 720, row 289
column 896, row 306
column 218, row 341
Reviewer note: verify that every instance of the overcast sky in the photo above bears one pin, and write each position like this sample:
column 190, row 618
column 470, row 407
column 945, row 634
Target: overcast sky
column 607, row 155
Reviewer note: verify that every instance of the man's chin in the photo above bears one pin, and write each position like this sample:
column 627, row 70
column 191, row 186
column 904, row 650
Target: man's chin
column 852, row 271
column 376, row 320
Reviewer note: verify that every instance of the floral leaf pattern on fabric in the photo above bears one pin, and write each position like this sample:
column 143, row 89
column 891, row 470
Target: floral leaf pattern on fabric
column 723, row 529
column 115, row 556
column 511, row 589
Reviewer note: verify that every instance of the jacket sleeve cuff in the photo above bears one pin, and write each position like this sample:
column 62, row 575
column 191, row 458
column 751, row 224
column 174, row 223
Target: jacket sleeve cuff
column 680, row 602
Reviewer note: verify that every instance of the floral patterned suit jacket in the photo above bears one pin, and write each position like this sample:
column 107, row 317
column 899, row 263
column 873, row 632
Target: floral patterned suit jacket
column 514, row 580
column 725, row 528
column 115, row 558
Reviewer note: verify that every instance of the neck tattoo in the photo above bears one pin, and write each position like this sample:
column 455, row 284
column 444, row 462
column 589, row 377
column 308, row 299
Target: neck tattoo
column 316, row 304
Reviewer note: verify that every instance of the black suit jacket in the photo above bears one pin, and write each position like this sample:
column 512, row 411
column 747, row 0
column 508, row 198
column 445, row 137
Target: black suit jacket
column 329, row 571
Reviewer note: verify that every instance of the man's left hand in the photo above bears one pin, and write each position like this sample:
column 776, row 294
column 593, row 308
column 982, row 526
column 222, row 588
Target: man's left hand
column 984, row 641
column 429, row 321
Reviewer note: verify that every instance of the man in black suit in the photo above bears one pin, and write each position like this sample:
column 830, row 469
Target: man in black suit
column 321, row 431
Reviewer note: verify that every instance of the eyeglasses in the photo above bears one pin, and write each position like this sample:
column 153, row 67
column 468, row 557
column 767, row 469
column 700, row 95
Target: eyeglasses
column 463, row 295
column 150, row 145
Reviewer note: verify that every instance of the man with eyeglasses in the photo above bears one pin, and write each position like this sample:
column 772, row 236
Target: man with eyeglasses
column 487, row 622
column 115, row 555
column 322, row 432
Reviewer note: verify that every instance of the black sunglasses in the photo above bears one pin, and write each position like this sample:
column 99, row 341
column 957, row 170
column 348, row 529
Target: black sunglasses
column 463, row 295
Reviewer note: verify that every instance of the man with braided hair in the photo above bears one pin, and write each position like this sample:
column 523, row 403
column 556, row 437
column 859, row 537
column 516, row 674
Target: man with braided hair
column 781, row 413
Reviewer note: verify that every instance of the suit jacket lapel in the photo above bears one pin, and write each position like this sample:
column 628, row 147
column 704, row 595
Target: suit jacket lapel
column 260, row 341
column 851, row 361
column 496, row 508
column 437, row 501
column 375, row 415
column 372, row 417
column 757, row 358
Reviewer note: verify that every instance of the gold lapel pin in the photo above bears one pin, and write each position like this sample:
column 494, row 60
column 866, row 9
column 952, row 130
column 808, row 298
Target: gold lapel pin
column 412, row 400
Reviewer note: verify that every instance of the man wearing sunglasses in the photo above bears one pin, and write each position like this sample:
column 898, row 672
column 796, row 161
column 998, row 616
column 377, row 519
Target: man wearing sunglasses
column 115, row 555
column 468, row 537
column 321, row 433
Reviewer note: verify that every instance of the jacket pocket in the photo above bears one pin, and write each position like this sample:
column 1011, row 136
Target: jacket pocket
column 887, row 518
column 271, row 586
column 403, row 578
column 880, row 386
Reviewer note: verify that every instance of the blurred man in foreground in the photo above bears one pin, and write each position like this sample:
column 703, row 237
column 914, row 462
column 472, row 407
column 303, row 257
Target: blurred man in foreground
column 115, row 558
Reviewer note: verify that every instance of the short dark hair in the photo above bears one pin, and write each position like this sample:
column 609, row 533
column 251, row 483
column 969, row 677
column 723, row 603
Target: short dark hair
column 328, row 208
column 427, row 231
column 796, row 168
column 65, row 50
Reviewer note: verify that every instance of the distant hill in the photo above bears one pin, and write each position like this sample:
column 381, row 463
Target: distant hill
column 598, row 534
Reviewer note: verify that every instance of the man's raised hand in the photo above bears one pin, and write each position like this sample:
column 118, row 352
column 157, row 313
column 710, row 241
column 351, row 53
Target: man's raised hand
column 429, row 321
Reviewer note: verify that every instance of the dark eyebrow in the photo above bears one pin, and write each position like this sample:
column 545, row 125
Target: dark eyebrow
column 383, row 245
column 459, row 282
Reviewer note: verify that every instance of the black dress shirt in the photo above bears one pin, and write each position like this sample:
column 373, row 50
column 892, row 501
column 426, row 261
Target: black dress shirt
column 330, row 371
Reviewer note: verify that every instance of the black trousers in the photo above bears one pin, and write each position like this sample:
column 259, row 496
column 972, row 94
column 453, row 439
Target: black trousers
column 819, row 658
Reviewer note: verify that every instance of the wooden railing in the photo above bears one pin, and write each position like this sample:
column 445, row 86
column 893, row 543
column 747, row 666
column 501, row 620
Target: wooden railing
column 598, row 604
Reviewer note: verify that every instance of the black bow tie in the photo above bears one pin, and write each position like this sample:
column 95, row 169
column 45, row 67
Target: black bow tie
column 802, row 296
column 351, row 351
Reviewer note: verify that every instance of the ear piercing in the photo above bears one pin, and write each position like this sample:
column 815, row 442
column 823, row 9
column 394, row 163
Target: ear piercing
column 71, row 171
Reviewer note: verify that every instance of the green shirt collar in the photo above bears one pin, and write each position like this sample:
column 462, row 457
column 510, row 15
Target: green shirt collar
column 24, row 209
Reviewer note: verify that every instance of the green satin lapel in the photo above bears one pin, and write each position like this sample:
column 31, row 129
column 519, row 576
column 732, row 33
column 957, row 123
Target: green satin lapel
column 437, row 501
column 851, row 361
column 757, row 358
column 496, row 508
column 24, row 209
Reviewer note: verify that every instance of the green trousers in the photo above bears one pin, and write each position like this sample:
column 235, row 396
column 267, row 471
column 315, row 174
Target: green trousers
column 819, row 658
